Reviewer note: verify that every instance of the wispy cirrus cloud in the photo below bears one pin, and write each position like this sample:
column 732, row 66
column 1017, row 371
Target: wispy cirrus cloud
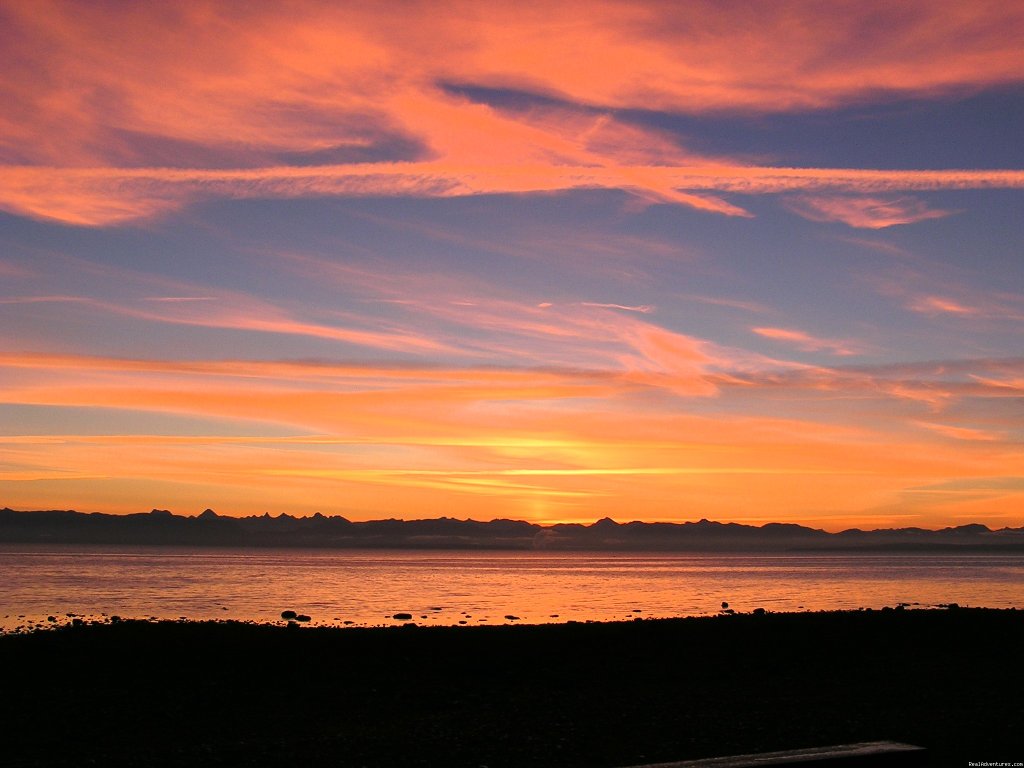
column 926, row 295
column 863, row 212
column 938, row 305
column 240, row 313
column 936, row 384
column 102, row 196
column 807, row 342
column 641, row 308
column 962, row 433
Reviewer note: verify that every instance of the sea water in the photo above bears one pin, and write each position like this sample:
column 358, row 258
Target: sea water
column 369, row 587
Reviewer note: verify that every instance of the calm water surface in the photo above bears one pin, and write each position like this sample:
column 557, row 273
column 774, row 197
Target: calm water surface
column 366, row 587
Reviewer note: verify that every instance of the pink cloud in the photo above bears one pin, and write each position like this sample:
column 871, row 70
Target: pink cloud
column 96, row 197
column 863, row 212
column 108, row 123
column 806, row 341
column 937, row 305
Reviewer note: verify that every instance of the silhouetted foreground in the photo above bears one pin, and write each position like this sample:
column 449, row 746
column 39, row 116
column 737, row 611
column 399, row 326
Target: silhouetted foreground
column 196, row 694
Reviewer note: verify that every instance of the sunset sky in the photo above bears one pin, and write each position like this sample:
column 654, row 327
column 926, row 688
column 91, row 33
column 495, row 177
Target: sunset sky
column 745, row 261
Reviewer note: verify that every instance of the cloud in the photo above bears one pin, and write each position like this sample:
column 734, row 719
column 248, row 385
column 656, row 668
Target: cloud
column 97, row 197
column 642, row 308
column 444, row 436
column 935, row 384
column 295, row 78
column 958, row 301
column 962, row 433
column 863, row 212
column 937, row 305
column 238, row 312
column 806, row 342
column 997, row 307
column 107, row 123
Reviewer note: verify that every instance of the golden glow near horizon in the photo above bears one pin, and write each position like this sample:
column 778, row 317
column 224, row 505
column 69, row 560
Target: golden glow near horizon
column 552, row 262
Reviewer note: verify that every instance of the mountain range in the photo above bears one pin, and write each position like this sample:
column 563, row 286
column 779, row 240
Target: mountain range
column 161, row 527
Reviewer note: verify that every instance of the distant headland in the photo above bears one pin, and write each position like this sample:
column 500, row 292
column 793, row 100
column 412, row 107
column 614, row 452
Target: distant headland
column 161, row 527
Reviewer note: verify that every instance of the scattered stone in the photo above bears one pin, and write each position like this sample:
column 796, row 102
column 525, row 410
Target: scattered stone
column 510, row 617
column 115, row 619
column 724, row 605
column 288, row 614
column 462, row 621
column 401, row 616
column 302, row 617
column 77, row 622
column 759, row 611
column 347, row 622
column 51, row 619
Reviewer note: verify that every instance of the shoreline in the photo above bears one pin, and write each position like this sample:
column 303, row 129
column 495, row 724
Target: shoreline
column 595, row 694
column 40, row 622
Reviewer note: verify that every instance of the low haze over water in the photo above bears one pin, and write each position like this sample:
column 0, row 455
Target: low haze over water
column 367, row 587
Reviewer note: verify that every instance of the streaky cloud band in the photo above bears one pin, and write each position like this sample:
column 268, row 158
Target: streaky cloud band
column 106, row 196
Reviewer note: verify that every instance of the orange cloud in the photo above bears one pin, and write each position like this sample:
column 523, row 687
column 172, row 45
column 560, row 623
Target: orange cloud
column 805, row 341
column 107, row 123
column 295, row 78
column 442, row 438
column 863, row 212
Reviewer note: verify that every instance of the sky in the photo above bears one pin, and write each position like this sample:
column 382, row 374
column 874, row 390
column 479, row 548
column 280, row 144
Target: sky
column 656, row 261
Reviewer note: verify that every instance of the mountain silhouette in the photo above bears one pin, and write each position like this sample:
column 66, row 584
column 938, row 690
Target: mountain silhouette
column 162, row 527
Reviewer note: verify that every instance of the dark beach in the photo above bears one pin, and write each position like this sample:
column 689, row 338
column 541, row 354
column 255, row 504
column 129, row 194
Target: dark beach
column 617, row 694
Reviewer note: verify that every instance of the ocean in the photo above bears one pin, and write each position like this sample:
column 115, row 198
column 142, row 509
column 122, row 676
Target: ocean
column 369, row 587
